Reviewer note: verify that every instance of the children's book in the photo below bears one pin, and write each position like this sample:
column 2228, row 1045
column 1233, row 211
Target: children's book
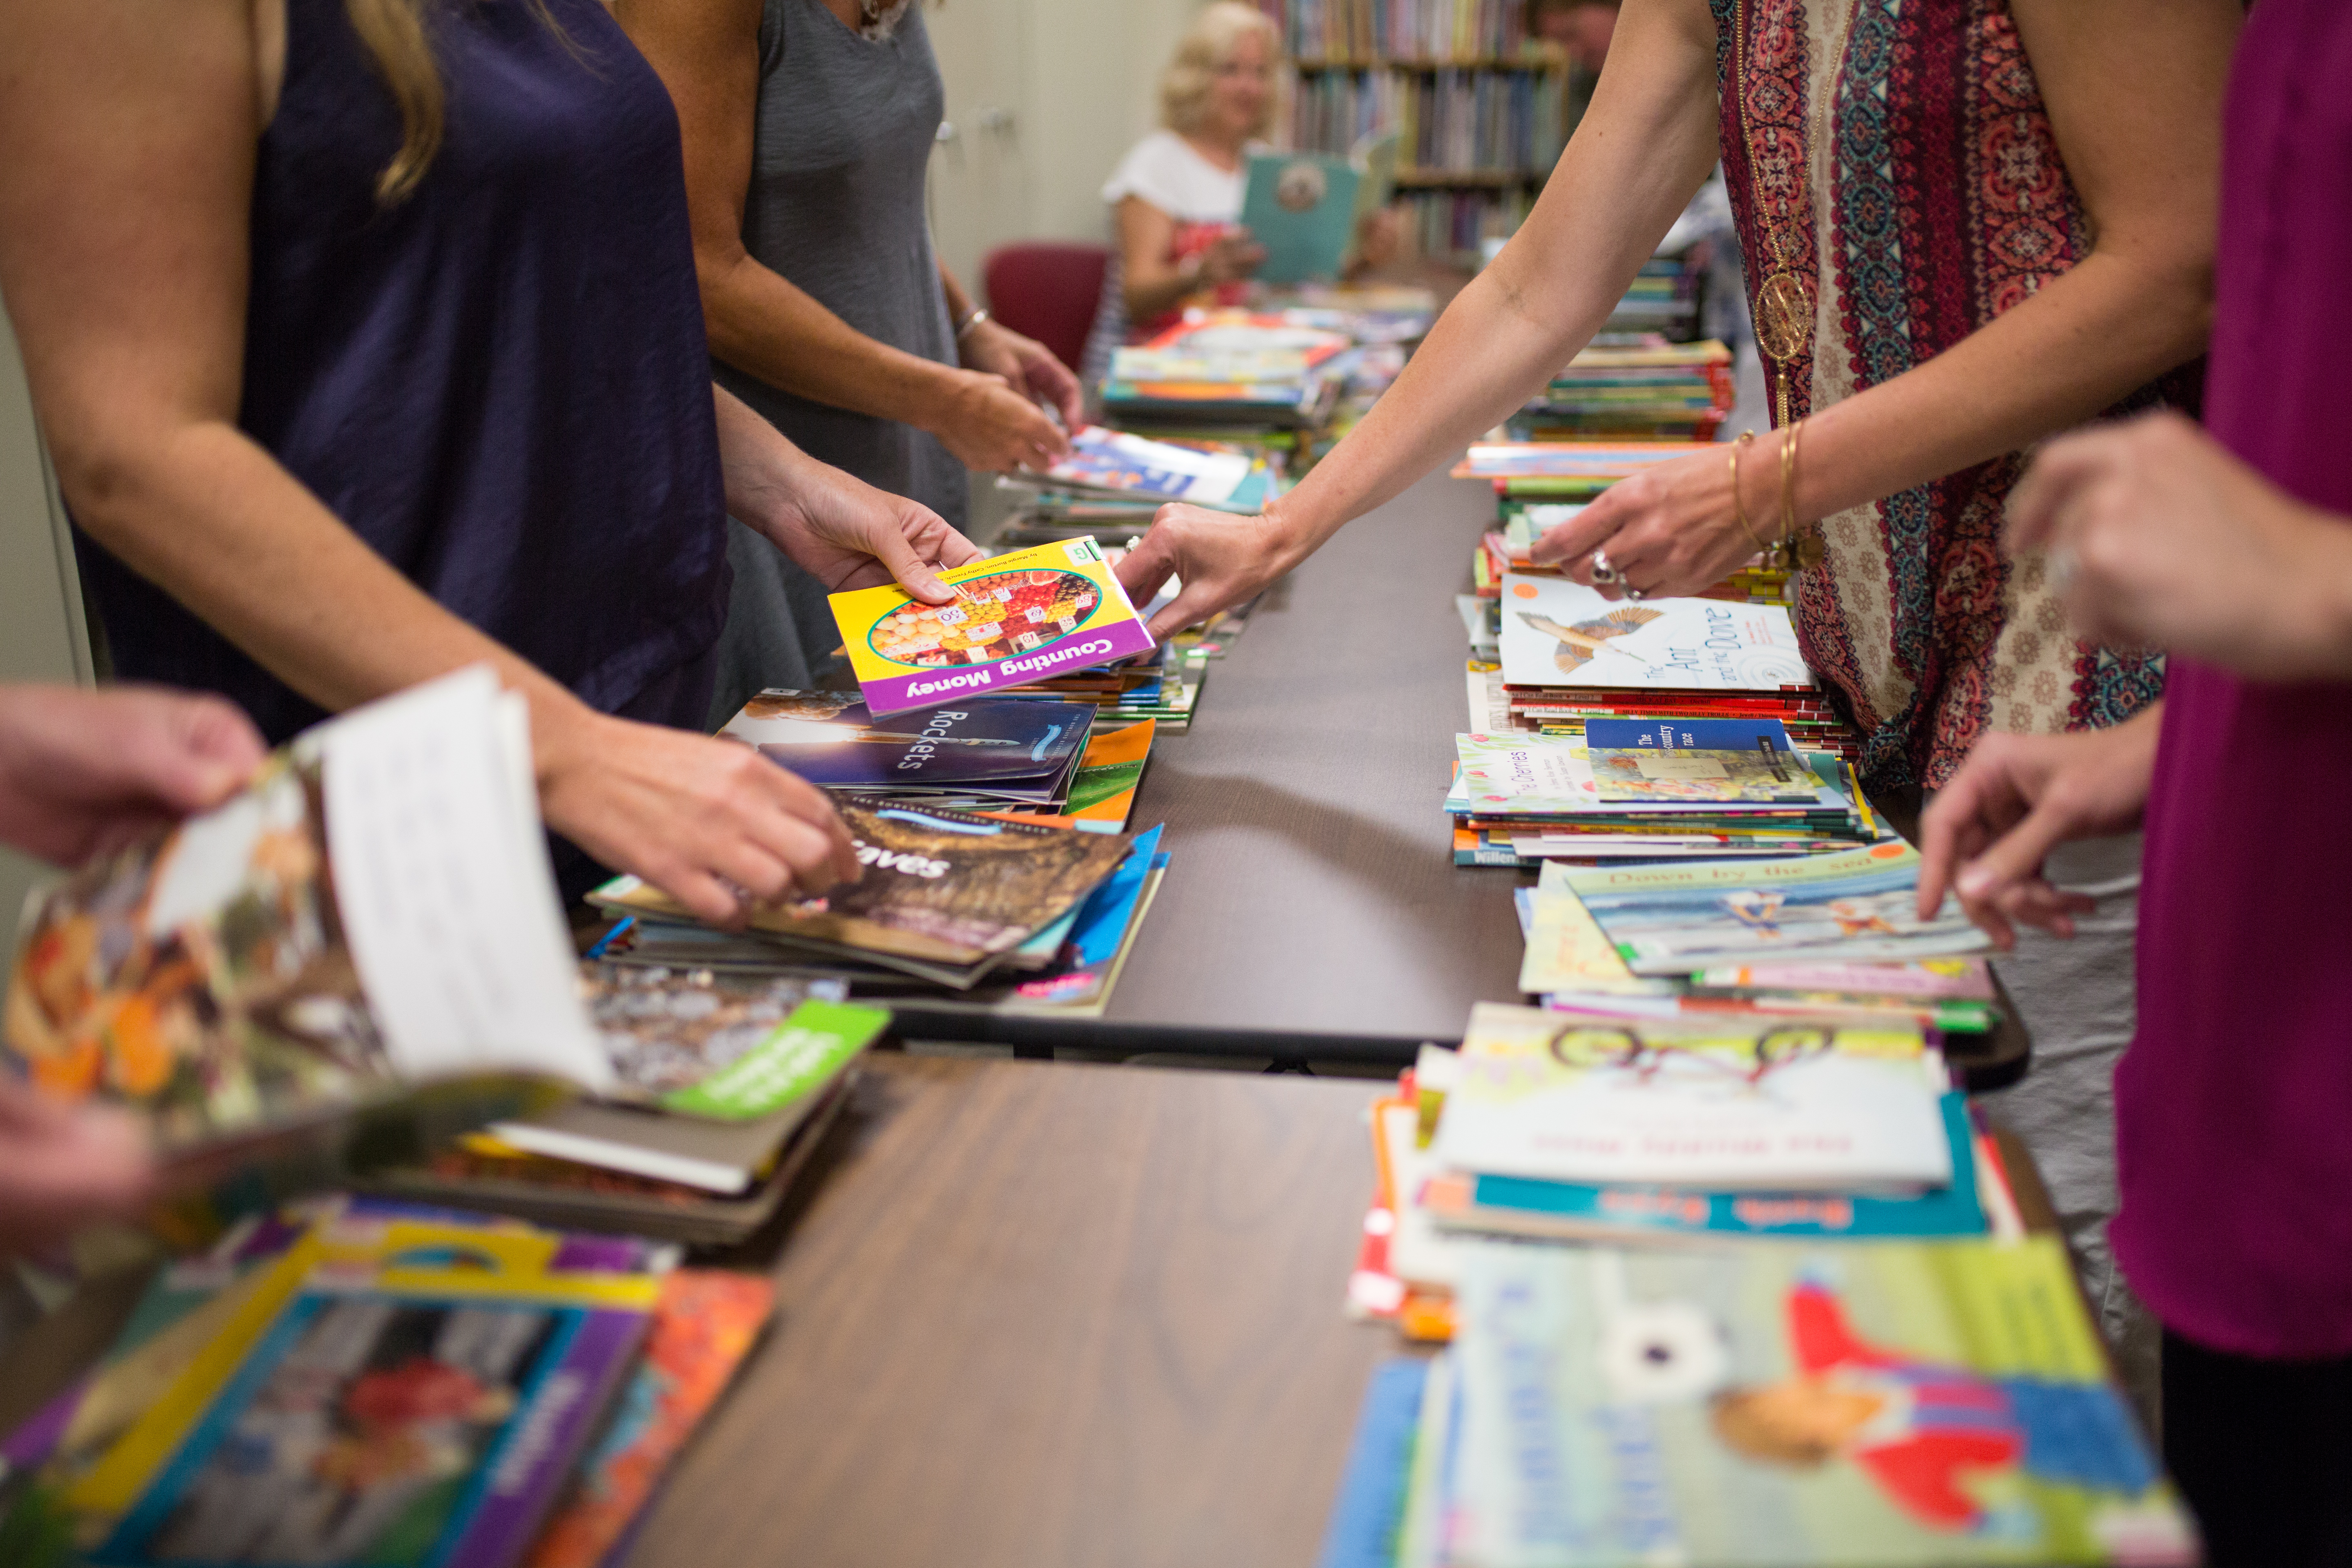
column 1559, row 633
column 1848, row 906
column 1051, row 609
column 1021, row 752
column 407, row 1391
column 1585, row 1211
column 1784, row 1405
column 943, row 888
column 1122, row 464
column 1302, row 207
column 1723, row 759
column 1929, row 979
column 363, row 947
column 1739, row 1104
column 705, row 1324
column 1368, row 1513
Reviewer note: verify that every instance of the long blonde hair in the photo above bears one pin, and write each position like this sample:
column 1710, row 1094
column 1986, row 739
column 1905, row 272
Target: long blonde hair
column 394, row 34
column 1208, row 43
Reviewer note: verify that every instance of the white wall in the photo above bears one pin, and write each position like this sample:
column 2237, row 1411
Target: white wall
column 1080, row 82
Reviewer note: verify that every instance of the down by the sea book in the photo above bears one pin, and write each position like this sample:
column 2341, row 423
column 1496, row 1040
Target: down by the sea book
column 1052, row 609
column 1019, row 751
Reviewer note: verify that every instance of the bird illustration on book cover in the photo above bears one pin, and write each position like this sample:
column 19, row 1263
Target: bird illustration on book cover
column 1579, row 642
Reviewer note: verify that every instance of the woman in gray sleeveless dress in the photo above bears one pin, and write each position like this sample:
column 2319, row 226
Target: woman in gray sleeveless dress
column 808, row 127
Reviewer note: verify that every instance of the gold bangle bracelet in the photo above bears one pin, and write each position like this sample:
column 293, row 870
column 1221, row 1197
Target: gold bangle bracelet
column 1789, row 494
column 1740, row 506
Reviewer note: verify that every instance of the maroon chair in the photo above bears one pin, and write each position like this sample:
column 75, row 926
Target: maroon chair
column 1047, row 290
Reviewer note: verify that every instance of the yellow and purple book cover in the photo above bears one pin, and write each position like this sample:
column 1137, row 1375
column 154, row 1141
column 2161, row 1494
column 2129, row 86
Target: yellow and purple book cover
column 1016, row 618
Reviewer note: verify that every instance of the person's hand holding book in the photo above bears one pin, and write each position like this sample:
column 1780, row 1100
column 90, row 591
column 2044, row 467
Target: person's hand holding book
column 81, row 771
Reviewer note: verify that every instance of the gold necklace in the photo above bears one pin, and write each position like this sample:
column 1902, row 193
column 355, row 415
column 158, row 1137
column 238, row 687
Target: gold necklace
column 1785, row 303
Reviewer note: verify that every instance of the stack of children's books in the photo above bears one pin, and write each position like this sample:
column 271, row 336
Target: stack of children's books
column 1634, row 790
column 357, row 1382
column 1658, row 391
column 1750, row 1292
column 1228, row 374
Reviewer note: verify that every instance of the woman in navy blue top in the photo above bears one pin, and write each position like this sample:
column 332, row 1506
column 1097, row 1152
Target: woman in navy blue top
column 366, row 337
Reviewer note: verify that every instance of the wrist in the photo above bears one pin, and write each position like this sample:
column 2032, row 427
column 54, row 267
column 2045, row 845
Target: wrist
column 2322, row 630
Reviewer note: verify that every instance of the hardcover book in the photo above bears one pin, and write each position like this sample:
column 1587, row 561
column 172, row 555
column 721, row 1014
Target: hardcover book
column 1052, row 609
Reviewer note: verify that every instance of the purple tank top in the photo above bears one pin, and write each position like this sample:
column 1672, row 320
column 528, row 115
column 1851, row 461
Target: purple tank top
column 2233, row 1106
column 502, row 383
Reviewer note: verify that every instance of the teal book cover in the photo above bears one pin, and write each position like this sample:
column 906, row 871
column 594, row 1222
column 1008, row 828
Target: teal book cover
column 1302, row 208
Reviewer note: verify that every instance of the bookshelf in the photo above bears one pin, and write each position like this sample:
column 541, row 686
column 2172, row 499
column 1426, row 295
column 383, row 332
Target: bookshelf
column 1480, row 115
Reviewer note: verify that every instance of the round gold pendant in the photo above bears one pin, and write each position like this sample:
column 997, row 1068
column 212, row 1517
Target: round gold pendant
column 1807, row 550
column 1784, row 316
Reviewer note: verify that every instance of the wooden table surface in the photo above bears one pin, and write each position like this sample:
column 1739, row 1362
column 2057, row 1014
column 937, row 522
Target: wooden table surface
column 1312, row 909
column 1039, row 1314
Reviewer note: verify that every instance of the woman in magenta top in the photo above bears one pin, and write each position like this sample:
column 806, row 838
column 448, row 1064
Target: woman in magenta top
column 2232, row 548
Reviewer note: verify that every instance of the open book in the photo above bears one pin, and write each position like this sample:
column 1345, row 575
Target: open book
column 357, row 954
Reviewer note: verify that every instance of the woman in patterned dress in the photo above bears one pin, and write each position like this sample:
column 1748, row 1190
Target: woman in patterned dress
column 1968, row 225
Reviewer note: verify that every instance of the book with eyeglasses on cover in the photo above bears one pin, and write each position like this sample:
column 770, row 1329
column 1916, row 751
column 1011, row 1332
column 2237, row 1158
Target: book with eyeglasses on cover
column 1771, row 1104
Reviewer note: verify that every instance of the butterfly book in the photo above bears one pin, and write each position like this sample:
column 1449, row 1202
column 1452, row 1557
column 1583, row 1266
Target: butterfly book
column 1052, row 609
column 1559, row 633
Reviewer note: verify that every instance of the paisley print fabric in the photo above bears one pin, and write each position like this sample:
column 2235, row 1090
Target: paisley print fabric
column 1937, row 202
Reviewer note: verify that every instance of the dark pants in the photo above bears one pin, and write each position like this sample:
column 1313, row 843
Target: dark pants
column 2262, row 1450
column 679, row 700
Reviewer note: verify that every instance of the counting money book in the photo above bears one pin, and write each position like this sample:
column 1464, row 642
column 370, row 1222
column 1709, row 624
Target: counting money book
column 1049, row 610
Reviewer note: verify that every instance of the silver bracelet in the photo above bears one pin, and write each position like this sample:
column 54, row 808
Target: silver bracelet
column 964, row 328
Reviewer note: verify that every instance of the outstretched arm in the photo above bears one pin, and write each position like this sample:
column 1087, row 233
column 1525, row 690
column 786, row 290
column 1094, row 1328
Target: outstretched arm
column 1642, row 149
column 2134, row 94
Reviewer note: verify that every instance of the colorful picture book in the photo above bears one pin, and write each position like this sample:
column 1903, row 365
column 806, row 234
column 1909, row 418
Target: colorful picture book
column 1046, row 610
column 392, row 1390
column 1116, row 463
column 1784, row 1405
column 1302, row 208
column 1739, row 1104
column 1559, row 633
column 705, row 1323
column 948, row 891
column 366, row 937
column 1021, row 751
column 1851, row 905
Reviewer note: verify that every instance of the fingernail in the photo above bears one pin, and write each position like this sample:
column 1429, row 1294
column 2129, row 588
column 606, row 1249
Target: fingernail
column 1975, row 883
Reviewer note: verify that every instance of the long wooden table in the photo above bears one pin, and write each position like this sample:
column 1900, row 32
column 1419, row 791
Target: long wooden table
column 1042, row 1314
column 1311, row 909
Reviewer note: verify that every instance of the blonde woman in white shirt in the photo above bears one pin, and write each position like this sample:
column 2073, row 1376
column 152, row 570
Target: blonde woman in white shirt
column 1176, row 198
